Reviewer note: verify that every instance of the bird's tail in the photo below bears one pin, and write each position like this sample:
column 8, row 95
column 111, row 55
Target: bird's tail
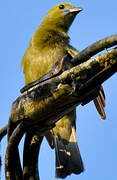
column 68, row 158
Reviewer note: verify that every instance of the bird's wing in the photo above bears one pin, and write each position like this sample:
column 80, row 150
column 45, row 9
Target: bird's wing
column 60, row 66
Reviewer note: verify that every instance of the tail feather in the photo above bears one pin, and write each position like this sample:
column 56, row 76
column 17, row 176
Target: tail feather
column 100, row 104
column 102, row 97
column 68, row 158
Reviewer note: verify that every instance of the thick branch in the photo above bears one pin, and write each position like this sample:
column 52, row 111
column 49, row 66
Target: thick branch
column 83, row 56
column 64, row 91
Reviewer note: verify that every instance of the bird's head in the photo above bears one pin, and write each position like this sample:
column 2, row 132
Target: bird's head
column 60, row 17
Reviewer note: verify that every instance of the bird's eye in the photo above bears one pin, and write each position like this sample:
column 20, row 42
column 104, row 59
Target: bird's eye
column 61, row 6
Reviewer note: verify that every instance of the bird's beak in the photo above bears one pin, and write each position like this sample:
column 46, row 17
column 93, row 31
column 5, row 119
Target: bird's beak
column 75, row 10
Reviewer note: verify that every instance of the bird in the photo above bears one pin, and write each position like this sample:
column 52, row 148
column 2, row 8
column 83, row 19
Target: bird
column 49, row 43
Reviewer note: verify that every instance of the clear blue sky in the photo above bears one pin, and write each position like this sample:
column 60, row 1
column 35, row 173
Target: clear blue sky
column 97, row 138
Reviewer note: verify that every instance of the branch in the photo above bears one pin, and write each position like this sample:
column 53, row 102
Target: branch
column 95, row 48
column 65, row 92
column 31, row 149
column 65, row 89
column 11, row 162
column 82, row 57
column 3, row 131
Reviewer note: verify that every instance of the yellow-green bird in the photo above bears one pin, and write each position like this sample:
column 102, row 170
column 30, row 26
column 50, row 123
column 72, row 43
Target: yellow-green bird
column 49, row 44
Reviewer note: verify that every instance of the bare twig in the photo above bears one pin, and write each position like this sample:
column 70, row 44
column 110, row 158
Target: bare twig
column 95, row 48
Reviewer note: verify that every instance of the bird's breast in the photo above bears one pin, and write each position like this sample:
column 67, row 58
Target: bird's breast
column 43, row 62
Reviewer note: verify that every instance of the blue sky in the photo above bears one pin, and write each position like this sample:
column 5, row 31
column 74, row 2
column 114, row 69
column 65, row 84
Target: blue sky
column 97, row 138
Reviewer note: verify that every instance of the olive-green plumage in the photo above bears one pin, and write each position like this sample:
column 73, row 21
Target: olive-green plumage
column 49, row 44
